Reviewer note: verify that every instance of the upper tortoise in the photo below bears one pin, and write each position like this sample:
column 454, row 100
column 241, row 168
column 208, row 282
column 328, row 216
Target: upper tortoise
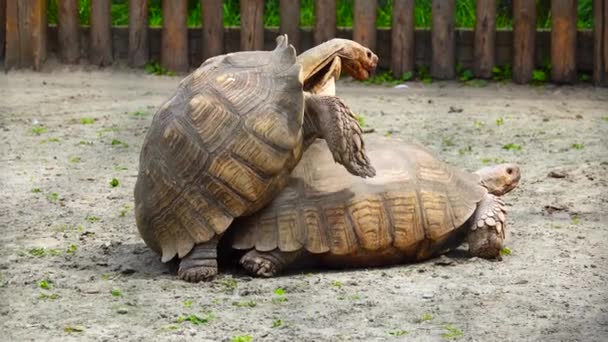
column 415, row 208
column 225, row 143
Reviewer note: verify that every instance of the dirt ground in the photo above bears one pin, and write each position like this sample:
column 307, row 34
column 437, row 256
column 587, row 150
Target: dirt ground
column 72, row 266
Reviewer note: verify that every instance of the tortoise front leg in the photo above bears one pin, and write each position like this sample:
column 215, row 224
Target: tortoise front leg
column 201, row 263
column 268, row 264
column 487, row 228
column 329, row 118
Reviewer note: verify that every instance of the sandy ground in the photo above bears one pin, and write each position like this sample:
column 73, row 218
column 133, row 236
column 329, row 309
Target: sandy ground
column 65, row 228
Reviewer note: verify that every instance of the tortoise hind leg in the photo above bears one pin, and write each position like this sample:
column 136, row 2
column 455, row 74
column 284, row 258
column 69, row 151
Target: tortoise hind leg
column 267, row 264
column 201, row 263
column 487, row 228
column 328, row 117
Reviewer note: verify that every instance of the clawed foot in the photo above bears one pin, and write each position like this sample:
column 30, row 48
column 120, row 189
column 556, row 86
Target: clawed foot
column 346, row 144
column 259, row 265
column 195, row 274
column 487, row 234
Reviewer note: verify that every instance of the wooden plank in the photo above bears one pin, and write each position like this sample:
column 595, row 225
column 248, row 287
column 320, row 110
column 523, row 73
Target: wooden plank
column 26, row 27
column 213, row 28
column 364, row 30
column 139, row 50
column 2, row 27
column 600, row 46
column 252, row 25
column 563, row 41
column 485, row 38
column 325, row 21
column 524, row 40
column 12, row 58
column 68, row 31
column 442, row 39
column 402, row 37
column 290, row 21
column 100, row 49
column 174, row 41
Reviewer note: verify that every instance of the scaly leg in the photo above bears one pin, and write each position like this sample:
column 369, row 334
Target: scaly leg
column 487, row 230
column 267, row 264
column 201, row 263
column 328, row 117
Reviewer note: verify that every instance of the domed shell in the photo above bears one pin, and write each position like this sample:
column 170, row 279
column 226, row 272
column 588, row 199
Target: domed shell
column 220, row 148
column 414, row 204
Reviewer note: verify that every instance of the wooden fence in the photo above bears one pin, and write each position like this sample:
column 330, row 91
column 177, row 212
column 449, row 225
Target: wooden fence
column 27, row 38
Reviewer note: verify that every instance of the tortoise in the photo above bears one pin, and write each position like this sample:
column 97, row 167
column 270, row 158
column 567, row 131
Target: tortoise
column 415, row 208
column 225, row 143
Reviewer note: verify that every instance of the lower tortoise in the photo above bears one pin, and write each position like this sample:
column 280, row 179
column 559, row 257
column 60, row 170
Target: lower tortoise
column 416, row 208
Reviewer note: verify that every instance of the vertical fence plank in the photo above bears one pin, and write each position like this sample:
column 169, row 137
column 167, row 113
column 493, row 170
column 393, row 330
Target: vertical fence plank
column 174, row 37
column 11, row 54
column 68, row 31
column 402, row 37
column 484, row 53
column 252, row 24
column 524, row 40
column 364, row 30
column 442, row 39
column 2, row 27
column 325, row 20
column 290, row 21
column 100, row 50
column 138, row 33
column 600, row 47
column 26, row 26
column 563, row 41
column 213, row 28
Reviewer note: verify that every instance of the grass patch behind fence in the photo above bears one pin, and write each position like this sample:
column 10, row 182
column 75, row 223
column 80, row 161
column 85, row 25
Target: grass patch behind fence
column 465, row 13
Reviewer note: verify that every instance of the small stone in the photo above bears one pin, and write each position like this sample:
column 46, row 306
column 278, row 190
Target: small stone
column 428, row 295
column 498, row 227
column 455, row 110
column 556, row 174
column 521, row 282
column 491, row 214
column 480, row 223
column 444, row 261
column 490, row 222
column 122, row 311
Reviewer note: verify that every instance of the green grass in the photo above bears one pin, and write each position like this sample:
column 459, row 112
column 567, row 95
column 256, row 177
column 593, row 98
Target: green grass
column 465, row 13
column 37, row 129
column 398, row 332
column 195, row 319
column 512, row 147
column 114, row 183
column 45, row 284
column 73, row 329
column 451, row 332
column 242, row 338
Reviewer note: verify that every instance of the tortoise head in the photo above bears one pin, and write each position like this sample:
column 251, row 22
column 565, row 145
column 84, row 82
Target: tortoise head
column 499, row 179
column 358, row 61
column 324, row 62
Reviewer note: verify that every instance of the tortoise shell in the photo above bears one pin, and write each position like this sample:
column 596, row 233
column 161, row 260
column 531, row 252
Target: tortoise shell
column 222, row 147
column 412, row 207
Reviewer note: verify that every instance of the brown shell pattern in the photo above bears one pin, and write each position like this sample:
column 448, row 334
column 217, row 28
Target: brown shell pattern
column 415, row 197
column 222, row 147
